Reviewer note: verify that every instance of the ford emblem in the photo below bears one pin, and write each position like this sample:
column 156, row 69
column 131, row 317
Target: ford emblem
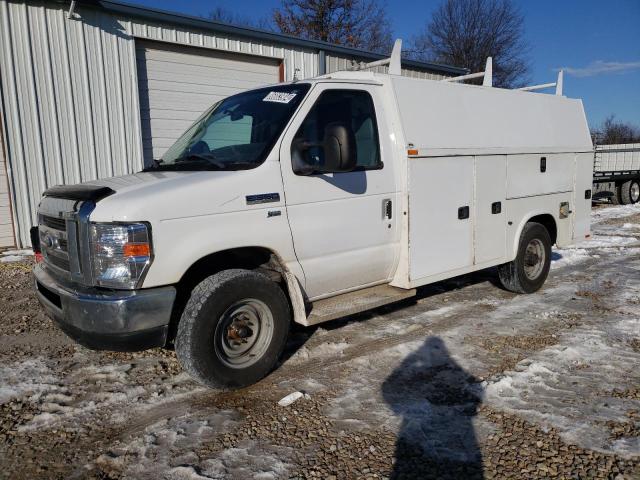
column 48, row 241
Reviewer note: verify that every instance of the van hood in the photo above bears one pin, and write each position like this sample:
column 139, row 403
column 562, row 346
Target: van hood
column 159, row 195
column 136, row 180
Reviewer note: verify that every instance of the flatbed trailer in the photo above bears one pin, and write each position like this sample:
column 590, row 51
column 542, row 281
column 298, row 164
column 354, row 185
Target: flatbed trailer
column 616, row 173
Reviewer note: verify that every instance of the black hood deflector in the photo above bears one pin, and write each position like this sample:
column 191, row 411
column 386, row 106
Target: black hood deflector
column 79, row 192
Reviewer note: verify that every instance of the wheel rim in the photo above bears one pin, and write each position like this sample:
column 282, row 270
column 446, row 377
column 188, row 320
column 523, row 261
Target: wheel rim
column 634, row 192
column 534, row 259
column 243, row 333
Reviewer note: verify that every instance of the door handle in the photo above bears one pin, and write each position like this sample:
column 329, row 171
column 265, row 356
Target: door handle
column 496, row 207
column 463, row 212
column 387, row 209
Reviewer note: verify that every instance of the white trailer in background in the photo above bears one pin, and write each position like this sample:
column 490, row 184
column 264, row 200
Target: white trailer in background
column 309, row 201
column 616, row 173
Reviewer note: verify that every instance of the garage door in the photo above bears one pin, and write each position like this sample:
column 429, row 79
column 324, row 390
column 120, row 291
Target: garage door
column 178, row 83
column 6, row 229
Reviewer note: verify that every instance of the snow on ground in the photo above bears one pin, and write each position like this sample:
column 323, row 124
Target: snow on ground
column 603, row 214
column 324, row 350
column 144, row 456
column 556, row 385
column 10, row 256
column 604, row 237
column 30, row 377
column 86, row 391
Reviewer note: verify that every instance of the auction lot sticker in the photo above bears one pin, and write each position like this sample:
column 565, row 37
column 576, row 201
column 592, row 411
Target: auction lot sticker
column 279, row 97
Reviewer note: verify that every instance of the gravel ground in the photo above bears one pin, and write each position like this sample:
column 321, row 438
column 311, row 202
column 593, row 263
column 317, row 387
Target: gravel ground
column 465, row 381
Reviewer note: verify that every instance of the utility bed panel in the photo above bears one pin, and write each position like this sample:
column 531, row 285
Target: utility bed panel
column 440, row 241
column 539, row 174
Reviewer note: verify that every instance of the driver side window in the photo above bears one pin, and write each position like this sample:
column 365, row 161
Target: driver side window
column 352, row 108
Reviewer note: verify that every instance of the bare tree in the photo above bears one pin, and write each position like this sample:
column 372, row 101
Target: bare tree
column 222, row 15
column 353, row 23
column 613, row 132
column 465, row 32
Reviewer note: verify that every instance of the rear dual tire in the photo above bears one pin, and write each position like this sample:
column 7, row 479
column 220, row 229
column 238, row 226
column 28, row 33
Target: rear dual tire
column 627, row 193
column 528, row 272
column 630, row 192
column 233, row 329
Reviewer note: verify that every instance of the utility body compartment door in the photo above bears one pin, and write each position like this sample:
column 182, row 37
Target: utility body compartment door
column 490, row 220
column 440, row 215
column 539, row 174
column 583, row 193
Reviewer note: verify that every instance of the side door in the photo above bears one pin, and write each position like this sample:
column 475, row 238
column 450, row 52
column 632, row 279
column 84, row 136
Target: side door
column 343, row 224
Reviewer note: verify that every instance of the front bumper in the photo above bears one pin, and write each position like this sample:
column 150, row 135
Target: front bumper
column 120, row 320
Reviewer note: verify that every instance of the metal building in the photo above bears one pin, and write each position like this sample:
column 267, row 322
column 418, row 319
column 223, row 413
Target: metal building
column 96, row 89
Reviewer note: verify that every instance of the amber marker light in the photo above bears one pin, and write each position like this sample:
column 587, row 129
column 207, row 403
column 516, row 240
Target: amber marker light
column 136, row 250
column 412, row 151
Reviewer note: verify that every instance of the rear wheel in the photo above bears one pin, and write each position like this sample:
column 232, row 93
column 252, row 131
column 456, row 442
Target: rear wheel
column 233, row 329
column 528, row 272
column 615, row 198
column 630, row 192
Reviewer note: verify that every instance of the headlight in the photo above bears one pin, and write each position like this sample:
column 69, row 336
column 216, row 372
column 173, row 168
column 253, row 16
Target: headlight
column 121, row 254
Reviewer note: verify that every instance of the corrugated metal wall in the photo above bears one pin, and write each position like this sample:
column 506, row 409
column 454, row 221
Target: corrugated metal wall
column 612, row 158
column 6, row 228
column 337, row 63
column 70, row 93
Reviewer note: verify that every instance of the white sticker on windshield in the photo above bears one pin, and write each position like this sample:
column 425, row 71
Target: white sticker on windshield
column 279, row 97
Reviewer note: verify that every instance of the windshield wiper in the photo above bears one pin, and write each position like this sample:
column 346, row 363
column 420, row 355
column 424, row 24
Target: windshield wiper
column 199, row 158
column 206, row 161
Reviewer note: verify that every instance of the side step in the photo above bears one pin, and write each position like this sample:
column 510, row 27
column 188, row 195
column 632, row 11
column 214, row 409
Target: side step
column 355, row 302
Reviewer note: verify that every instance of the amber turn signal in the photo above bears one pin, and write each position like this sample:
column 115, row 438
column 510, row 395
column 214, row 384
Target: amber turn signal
column 136, row 250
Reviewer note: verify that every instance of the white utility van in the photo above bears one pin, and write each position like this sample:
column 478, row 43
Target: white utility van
column 308, row 201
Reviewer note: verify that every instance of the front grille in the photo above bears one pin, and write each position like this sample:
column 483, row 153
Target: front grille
column 54, row 243
column 62, row 263
column 62, row 228
column 53, row 222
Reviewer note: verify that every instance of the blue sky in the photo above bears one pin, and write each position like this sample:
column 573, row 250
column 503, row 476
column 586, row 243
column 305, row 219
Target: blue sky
column 597, row 42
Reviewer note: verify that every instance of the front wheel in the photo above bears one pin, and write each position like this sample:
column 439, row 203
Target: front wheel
column 529, row 270
column 233, row 329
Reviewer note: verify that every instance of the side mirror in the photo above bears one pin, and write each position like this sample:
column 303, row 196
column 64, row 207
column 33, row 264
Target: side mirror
column 338, row 148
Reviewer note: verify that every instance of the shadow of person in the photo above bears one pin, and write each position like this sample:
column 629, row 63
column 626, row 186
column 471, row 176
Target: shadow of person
column 437, row 401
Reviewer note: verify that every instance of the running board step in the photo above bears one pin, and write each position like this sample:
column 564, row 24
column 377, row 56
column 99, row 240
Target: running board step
column 356, row 302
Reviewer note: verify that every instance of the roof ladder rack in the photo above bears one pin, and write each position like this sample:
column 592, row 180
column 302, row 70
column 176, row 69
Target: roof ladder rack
column 487, row 75
column 394, row 61
column 542, row 86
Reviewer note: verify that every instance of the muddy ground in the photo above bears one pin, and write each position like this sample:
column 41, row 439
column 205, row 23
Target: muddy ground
column 466, row 381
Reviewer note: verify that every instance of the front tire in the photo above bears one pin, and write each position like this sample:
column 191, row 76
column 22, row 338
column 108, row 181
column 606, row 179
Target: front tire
column 528, row 272
column 233, row 329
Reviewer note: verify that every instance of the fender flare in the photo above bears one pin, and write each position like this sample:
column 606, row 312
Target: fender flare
column 513, row 252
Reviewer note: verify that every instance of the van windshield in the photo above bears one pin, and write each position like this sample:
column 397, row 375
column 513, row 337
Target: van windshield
column 236, row 133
